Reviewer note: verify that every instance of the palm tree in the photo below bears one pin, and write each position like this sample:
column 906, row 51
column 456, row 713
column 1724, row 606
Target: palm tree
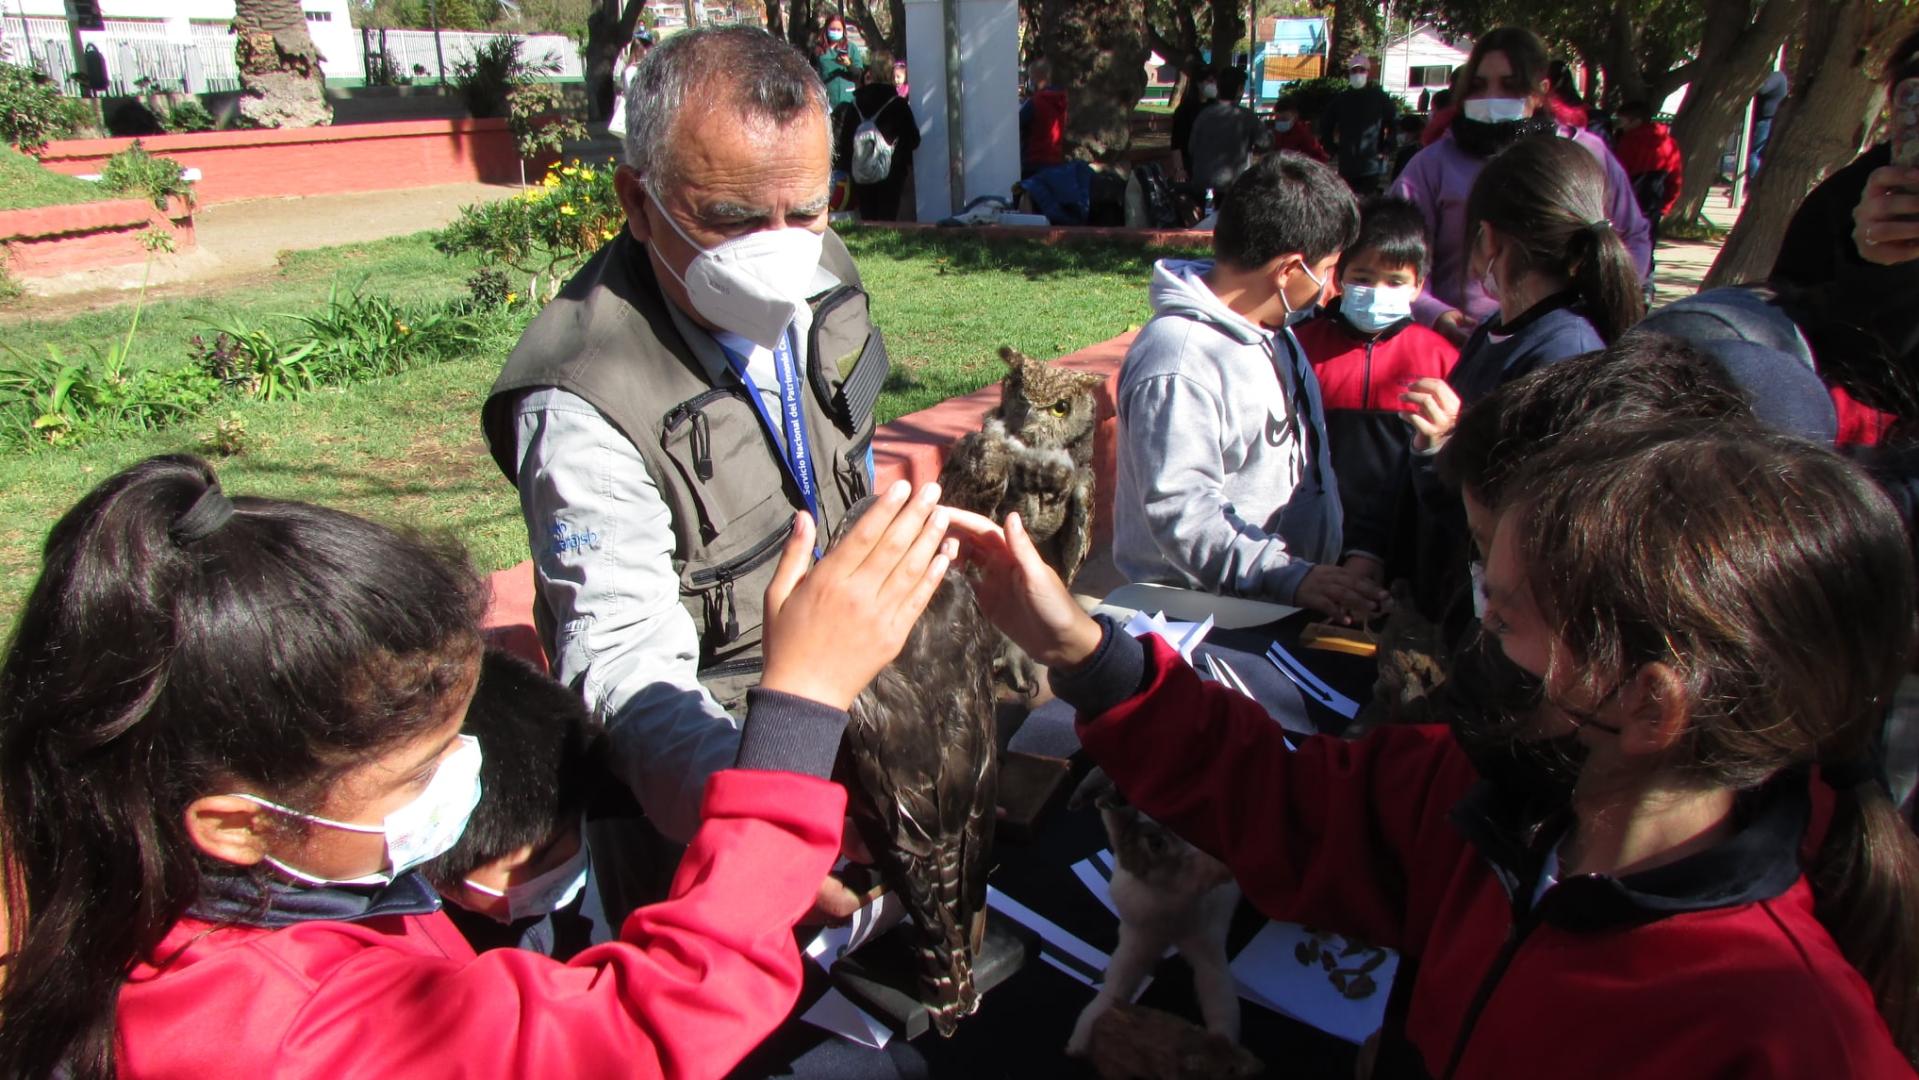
column 280, row 79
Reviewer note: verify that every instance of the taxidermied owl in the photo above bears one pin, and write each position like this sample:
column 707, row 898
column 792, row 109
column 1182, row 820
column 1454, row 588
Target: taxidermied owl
column 923, row 769
column 1034, row 456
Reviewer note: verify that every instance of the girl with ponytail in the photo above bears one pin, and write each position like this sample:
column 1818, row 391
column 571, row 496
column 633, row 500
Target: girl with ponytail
column 1710, row 620
column 1544, row 247
column 230, row 730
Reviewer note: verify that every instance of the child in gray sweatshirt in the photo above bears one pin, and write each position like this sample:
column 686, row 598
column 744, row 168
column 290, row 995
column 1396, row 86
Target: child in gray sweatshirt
column 1225, row 484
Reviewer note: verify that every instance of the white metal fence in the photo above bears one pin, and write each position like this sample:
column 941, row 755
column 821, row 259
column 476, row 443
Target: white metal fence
column 136, row 50
column 414, row 53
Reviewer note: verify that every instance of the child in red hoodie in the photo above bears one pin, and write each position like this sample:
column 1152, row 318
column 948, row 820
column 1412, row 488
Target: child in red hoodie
column 1646, row 150
column 1365, row 349
column 1294, row 132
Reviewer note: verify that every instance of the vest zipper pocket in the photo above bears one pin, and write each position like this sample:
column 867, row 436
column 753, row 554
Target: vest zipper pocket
column 724, row 574
column 694, row 412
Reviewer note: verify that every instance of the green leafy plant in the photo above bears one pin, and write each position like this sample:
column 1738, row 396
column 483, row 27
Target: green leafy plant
column 541, row 119
column 227, row 439
column 359, row 336
column 484, row 78
column 256, row 362
column 189, row 115
column 545, row 233
column 133, row 170
column 1313, row 95
column 32, row 110
column 488, row 287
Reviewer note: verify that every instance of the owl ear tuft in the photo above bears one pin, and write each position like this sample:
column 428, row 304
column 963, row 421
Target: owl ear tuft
column 1013, row 357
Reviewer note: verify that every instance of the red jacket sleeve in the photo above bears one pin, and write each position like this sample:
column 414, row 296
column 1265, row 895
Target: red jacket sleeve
column 1347, row 836
column 695, row 982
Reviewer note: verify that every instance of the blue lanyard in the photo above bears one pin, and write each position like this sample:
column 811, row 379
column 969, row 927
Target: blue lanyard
column 798, row 454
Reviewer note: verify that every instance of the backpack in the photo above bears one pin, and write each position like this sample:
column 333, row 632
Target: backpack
column 872, row 152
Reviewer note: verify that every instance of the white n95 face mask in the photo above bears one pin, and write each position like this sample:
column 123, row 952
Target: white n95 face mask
column 1357, row 80
column 423, row 829
column 549, row 892
column 751, row 285
column 1372, row 308
column 1495, row 110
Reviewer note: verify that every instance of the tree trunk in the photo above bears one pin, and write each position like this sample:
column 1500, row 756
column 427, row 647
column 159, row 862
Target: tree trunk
column 889, row 34
column 1351, row 20
column 1733, row 60
column 1228, row 32
column 1821, row 126
column 609, row 27
column 1098, row 50
column 799, row 26
column 776, row 18
column 280, row 79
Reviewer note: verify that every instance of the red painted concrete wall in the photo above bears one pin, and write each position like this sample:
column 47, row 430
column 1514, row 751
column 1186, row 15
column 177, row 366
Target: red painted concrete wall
column 317, row 161
column 913, row 447
column 51, row 240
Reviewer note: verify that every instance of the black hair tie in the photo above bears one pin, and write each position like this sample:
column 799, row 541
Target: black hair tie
column 1599, row 228
column 1849, row 774
column 206, row 516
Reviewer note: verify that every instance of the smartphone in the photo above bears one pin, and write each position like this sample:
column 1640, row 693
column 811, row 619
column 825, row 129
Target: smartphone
column 1905, row 122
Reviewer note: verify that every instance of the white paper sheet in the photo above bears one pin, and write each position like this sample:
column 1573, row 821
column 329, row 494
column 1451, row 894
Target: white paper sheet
column 876, row 918
column 1269, row 972
column 1182, row 636
column 835, row 1012
column 1310, row 684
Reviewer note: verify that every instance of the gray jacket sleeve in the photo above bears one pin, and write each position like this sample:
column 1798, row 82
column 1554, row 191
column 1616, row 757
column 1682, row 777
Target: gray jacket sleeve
column 1171, row 432
column 602, row 543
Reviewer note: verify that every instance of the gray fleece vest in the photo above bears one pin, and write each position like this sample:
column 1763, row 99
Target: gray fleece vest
column 610, row 339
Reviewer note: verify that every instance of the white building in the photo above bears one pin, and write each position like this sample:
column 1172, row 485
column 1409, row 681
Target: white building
column 1423, row 60
column 187, row 45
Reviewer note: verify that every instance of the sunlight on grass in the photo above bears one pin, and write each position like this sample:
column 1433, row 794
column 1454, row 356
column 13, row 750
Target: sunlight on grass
column 407, row 449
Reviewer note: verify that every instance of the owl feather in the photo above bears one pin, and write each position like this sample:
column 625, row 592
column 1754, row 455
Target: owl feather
column 923, row 770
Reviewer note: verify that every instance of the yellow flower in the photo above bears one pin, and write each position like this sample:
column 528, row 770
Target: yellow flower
column 608, row 234
column 586, row 174
column 403, row 328
column 567, row 209
column 512, row 298
column 534, row 194
column 552, row 180
column 569, row 171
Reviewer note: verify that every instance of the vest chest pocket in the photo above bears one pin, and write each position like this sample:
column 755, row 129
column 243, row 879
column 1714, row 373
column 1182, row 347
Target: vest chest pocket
column 724, row 465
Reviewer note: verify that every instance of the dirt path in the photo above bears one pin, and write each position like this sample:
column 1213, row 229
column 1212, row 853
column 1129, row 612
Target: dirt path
column 239, row 241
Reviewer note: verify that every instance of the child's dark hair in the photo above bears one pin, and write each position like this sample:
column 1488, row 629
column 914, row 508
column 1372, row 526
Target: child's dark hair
column 178, row 645
column 1645, row 379
column 1774, row 579
column 1392, row 231
column 1547, row 197
column 1411, row 123
column 1285, row 204
column 534, row 736
column 1634, row 110
column 1232, row 83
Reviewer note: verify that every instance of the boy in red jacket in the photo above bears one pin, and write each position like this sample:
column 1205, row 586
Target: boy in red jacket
column 1646, row 150
column 1365, row 349
column 1293, row 132
column 1042, row 121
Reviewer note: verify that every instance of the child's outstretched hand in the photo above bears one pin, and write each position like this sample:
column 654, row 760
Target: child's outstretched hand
column 1435, row 409
column 1023, row 596
column 831, row 628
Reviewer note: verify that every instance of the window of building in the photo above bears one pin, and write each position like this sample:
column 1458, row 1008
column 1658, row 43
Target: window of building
column 1430, row 75
column 319, row 16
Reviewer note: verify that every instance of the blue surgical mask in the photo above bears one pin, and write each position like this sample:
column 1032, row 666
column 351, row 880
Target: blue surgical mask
column 1372, row 308
column 835, row 35
column 1282, row 126
column 1296, row 314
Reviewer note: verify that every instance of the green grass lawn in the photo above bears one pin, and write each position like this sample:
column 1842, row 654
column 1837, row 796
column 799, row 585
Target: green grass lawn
column 407, row 449
column 25, row 183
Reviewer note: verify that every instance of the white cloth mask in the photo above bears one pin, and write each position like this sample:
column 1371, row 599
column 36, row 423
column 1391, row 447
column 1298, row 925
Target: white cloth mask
column 423, row 829
column 752, row 285
column 1496, row 110
column 544, row 894
column 1372, row 308
column 1208, row 91
column 1477, row 570
column 1357, row 79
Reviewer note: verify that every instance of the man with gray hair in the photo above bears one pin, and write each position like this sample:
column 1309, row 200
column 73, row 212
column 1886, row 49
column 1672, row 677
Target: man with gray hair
column 708, row 373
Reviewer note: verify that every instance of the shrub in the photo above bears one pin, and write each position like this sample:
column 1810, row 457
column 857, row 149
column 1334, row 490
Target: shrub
column 1313, row 95
column 484, row 78
column 32, row 110
column 189, row 115
column 134, row 170
column 546, row 232
column 383, row 70
column 541, row 119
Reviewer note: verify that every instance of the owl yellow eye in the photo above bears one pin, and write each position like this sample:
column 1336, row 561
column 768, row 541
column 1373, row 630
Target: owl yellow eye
column 1061, row 408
